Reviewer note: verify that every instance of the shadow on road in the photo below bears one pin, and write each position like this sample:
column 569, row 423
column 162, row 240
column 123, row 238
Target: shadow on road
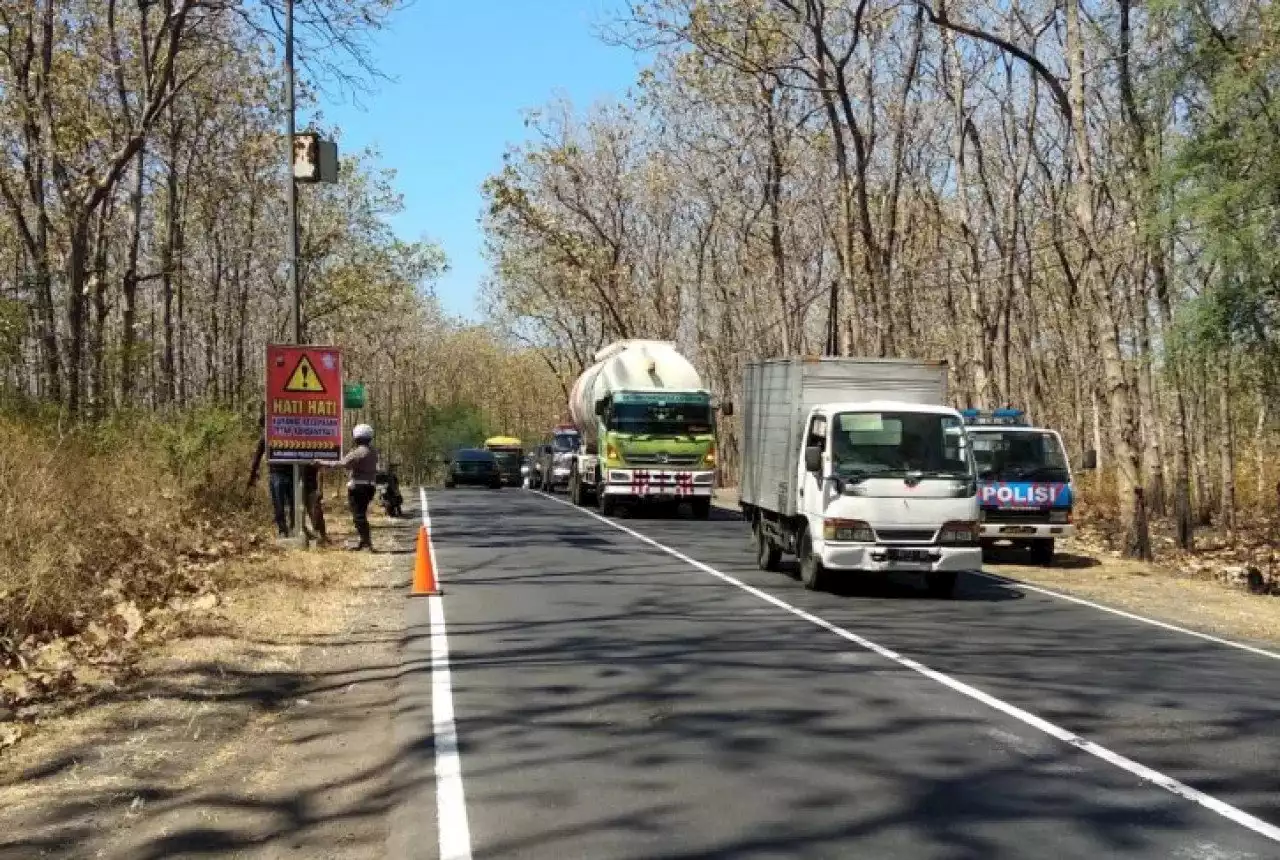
column 609, row 695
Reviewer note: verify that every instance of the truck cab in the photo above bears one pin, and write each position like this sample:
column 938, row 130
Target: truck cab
column 1025, row 488
column 886, row 487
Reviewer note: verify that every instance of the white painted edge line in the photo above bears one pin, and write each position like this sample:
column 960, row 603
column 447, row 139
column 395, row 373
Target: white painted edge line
column 1168, row 783
column 451, row 798
column 1102, row 607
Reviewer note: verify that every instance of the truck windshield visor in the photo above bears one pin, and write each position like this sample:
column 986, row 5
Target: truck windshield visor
column 1019, row 456
column 897, row 444
column 666, row 419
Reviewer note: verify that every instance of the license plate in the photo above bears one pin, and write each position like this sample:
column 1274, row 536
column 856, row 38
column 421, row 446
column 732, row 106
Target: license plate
column 915, row 555
column 1018, row 530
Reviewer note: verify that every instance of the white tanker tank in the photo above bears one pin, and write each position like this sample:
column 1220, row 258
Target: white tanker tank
column 660, row 440
column 628, row 365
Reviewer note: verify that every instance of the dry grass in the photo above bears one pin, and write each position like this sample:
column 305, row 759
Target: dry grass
column 134, row 511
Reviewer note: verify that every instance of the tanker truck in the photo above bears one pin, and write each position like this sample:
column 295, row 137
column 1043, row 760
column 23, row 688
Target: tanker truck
column 647, row 428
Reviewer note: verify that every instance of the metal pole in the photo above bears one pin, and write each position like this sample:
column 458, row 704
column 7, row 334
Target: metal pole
column 299, row 510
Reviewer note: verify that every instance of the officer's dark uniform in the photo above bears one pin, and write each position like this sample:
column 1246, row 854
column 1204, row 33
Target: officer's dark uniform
column 362, row 461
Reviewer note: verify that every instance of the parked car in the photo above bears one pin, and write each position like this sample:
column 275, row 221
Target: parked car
column 474, row 467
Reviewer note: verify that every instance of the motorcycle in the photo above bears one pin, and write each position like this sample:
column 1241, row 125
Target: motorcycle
column 389, row 494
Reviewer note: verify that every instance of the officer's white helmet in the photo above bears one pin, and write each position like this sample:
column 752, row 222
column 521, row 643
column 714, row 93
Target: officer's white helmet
column 362, row 433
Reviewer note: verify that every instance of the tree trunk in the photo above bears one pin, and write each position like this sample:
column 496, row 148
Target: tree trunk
column 1227, row 462
column 77, row 260
column 129, row 291
column 1128, row 469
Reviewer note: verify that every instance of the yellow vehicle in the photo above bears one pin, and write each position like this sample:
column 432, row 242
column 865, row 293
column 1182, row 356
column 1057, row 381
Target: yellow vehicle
column 509, row 452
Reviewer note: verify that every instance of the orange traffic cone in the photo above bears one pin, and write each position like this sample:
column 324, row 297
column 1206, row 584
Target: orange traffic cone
column 424, row 569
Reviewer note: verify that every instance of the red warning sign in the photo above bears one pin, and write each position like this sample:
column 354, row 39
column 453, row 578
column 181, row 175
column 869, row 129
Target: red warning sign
column 304, row 403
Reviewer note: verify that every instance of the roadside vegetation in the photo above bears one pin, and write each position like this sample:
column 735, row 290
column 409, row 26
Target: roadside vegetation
column 143, row 271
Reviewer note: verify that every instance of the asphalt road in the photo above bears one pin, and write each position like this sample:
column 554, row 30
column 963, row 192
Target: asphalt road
column 613, row 700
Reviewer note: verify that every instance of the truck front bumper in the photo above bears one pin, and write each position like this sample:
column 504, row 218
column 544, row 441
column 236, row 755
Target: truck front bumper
column 659, row 484
column 880, row 558
column 1026, row 531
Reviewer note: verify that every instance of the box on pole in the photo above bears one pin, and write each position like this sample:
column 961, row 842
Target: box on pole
column 304, row 403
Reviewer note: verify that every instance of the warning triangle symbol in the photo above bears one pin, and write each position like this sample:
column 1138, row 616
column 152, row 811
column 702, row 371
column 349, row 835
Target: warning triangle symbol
column 304, row 378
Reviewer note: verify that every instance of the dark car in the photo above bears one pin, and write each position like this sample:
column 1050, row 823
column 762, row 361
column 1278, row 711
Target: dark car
column 475, row 467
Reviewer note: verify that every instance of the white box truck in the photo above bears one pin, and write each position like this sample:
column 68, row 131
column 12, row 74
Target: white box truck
column 854, row 466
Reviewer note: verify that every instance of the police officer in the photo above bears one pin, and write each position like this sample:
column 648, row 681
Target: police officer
column 362, row 462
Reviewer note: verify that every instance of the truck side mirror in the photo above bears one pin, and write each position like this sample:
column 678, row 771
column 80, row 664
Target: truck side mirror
column 813, row 459
column 1089, row 461
column 726, row 409
column 600, row 407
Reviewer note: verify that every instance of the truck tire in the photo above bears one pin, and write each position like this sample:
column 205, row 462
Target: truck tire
column 941, row 584
column 812, row 573
column 605, row 504
column 701, row 509
column 1042, row 553
column 768, row 554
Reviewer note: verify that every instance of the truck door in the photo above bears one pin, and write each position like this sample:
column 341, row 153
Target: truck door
column 810, row 499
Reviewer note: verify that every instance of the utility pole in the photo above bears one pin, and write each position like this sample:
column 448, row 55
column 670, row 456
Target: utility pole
column 299, row 510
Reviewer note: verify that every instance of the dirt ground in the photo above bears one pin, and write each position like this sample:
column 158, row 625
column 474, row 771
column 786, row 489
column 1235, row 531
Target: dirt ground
column 1146, row 589
column 265, row 732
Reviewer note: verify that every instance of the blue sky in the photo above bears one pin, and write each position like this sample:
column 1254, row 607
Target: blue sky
column 463, row 70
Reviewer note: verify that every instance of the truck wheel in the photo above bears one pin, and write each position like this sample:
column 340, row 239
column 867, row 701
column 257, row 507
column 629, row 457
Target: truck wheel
column 812, row 574
column 1042, row 553
column 701, row 509
column 605, row 504
column 767, row 552
column 941, row 584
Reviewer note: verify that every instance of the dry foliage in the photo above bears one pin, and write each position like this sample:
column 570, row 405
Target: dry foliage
column 105, row 532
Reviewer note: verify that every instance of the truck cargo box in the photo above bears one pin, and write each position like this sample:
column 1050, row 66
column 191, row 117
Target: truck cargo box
column 778, row 394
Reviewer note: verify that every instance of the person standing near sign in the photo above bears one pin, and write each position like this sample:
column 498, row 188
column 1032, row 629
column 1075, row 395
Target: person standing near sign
column 280, row 483
column 362, row 462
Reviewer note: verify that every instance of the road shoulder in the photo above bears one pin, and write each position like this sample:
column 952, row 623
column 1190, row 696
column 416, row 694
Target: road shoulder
column 265, row 734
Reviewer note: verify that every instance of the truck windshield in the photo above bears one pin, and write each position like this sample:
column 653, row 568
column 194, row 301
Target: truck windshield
column 564, row 442
column 1012, row 455
column 892, row 444
column 507, row 459
column 660, row 419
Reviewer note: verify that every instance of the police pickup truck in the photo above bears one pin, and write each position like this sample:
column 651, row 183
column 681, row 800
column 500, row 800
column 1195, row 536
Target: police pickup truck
column 1025, row 490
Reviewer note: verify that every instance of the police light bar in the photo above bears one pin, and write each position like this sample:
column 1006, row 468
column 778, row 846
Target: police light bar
column 996, row 417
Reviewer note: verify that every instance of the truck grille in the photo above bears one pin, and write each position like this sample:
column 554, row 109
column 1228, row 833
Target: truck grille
column 1040, row 515
column 661, row 460
column 906, row 535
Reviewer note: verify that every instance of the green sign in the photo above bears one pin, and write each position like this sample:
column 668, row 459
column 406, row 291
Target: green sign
column 353, row 395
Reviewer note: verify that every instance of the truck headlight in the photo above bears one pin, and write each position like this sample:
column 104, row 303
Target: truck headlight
column 958, row 533
column 1060, row 515
column 847, row 530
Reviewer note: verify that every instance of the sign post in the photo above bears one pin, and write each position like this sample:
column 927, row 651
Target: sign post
column 304, row 407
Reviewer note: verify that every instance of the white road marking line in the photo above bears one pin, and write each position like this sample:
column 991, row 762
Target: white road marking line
column 1005, row 580
column 1168, row 783
column 451, row 799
